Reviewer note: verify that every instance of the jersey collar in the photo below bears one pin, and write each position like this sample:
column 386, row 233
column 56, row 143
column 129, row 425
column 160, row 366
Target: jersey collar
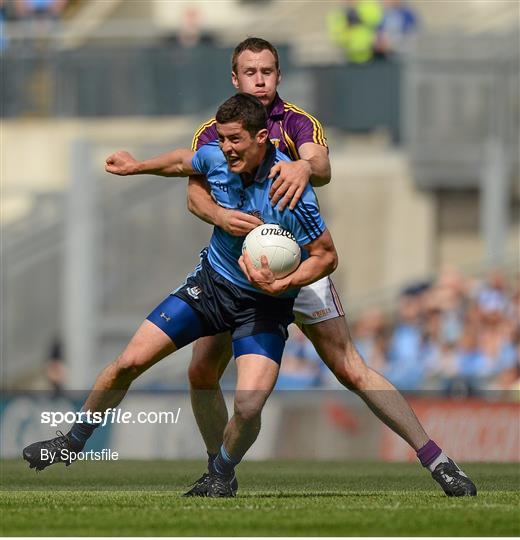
column 270, row 157
column 276, row 108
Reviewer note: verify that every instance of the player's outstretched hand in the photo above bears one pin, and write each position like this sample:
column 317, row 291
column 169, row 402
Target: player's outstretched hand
column 293, row 176
column 235, row 222
column 121, row 163
column 262, row 278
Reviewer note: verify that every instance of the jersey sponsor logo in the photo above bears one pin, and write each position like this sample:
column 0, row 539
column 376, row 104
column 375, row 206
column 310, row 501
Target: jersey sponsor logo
column 321, row 313
column 194, row 292
column 221, row 186
column 278, row 232
column 165, row 317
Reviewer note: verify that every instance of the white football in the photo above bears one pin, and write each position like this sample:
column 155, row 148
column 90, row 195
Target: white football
column 277, row 244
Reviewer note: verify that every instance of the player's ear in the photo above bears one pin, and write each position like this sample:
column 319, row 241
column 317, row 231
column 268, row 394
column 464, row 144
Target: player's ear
column 234, row 79
column 261, row 136
column 279, row 80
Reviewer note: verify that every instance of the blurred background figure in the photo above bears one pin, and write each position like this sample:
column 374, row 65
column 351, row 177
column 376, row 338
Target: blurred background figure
column 55, row 370
column 406, row 369
column 38, row 10
column 191, row 31
column 400, row 23
column 3, row 17
column 300, row 368
column 371, row 338
column 354, row 28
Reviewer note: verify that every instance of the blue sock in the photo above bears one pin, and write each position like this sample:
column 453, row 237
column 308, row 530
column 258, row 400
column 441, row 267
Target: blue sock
column 80, row 433
column 224, row 464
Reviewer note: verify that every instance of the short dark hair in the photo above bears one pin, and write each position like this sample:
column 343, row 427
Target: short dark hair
column 256, row 45
column 246, row 109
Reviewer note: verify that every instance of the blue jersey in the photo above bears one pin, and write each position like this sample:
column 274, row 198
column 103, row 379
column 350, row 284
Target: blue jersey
column 230, row 191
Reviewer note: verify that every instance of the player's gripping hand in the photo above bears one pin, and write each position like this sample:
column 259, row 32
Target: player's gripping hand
column 293, row 176
column 261, row 278
column 235, row 222
column 121, row 163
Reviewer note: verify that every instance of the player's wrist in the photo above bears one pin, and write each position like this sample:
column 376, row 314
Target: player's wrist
column 140, row 167
column 306, row 167
column 217, row 216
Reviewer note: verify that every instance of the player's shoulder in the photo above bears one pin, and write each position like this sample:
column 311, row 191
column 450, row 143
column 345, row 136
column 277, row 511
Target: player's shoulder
column 209, row 157
column 212, row 150
column 290, row 109
column 297, row 118
column 205, row 133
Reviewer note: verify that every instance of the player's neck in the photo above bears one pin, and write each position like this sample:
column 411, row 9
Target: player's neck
column 250, row 173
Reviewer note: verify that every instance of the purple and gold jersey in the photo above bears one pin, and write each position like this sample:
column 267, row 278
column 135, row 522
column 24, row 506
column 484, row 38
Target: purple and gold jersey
column 289, row 127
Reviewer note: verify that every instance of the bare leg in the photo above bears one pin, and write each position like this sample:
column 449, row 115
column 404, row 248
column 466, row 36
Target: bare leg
column 146, row 348
column 211, row 355
column 255, row 381
column 334, row 345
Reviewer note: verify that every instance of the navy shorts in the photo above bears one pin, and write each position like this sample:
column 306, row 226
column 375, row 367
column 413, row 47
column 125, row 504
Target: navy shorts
column 208, row 304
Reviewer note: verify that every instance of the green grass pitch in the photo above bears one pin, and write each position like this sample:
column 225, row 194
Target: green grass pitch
column 276, row 498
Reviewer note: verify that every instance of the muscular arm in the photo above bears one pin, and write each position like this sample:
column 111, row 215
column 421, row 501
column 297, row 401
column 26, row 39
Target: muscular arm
column 318, row 158
column 321, row 262
column 202, row 205
column 313, row 166
column 174, row 163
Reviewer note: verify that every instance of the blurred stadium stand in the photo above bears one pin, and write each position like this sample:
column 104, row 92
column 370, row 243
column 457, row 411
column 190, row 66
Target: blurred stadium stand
column 414, row 149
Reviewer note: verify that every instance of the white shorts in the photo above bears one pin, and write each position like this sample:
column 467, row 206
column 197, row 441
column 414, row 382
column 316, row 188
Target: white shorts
column 317, row 302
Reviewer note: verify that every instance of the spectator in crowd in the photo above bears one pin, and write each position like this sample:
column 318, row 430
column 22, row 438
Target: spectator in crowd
column 371, row 338
column 3, row 16
column 456, row 335
column 354, row 28
column 300, row 368
column 399, row 24
column 55, row 367
column 191, row 32
column 39, row 9
column 405, row 367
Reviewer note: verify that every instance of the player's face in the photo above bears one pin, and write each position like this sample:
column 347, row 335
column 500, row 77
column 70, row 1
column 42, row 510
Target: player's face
column 257, row 74
column 243, row 151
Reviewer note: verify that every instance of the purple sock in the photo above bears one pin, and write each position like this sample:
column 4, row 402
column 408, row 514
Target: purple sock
column 429, row 452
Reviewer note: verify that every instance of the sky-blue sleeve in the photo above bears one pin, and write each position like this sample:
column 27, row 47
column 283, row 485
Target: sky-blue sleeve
column 306, row 221
column 205, row 158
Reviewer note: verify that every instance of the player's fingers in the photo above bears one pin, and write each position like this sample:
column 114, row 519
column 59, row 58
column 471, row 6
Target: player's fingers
column 264, row 262
column 276, row 185
column 250, row 267
column 280, row 192
column 248, row 218
column 296, row 198
column 284, row 201
column 243, row 267
column 275, row 169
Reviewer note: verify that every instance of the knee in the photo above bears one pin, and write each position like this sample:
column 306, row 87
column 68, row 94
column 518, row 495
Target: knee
column 248, row 409
column 351, row 371
column 203, row 375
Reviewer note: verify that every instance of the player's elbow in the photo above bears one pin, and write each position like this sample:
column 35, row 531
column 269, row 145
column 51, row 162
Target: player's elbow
column 330, row 260
column 190, row 203
column 334, row 262
column 323, row 178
